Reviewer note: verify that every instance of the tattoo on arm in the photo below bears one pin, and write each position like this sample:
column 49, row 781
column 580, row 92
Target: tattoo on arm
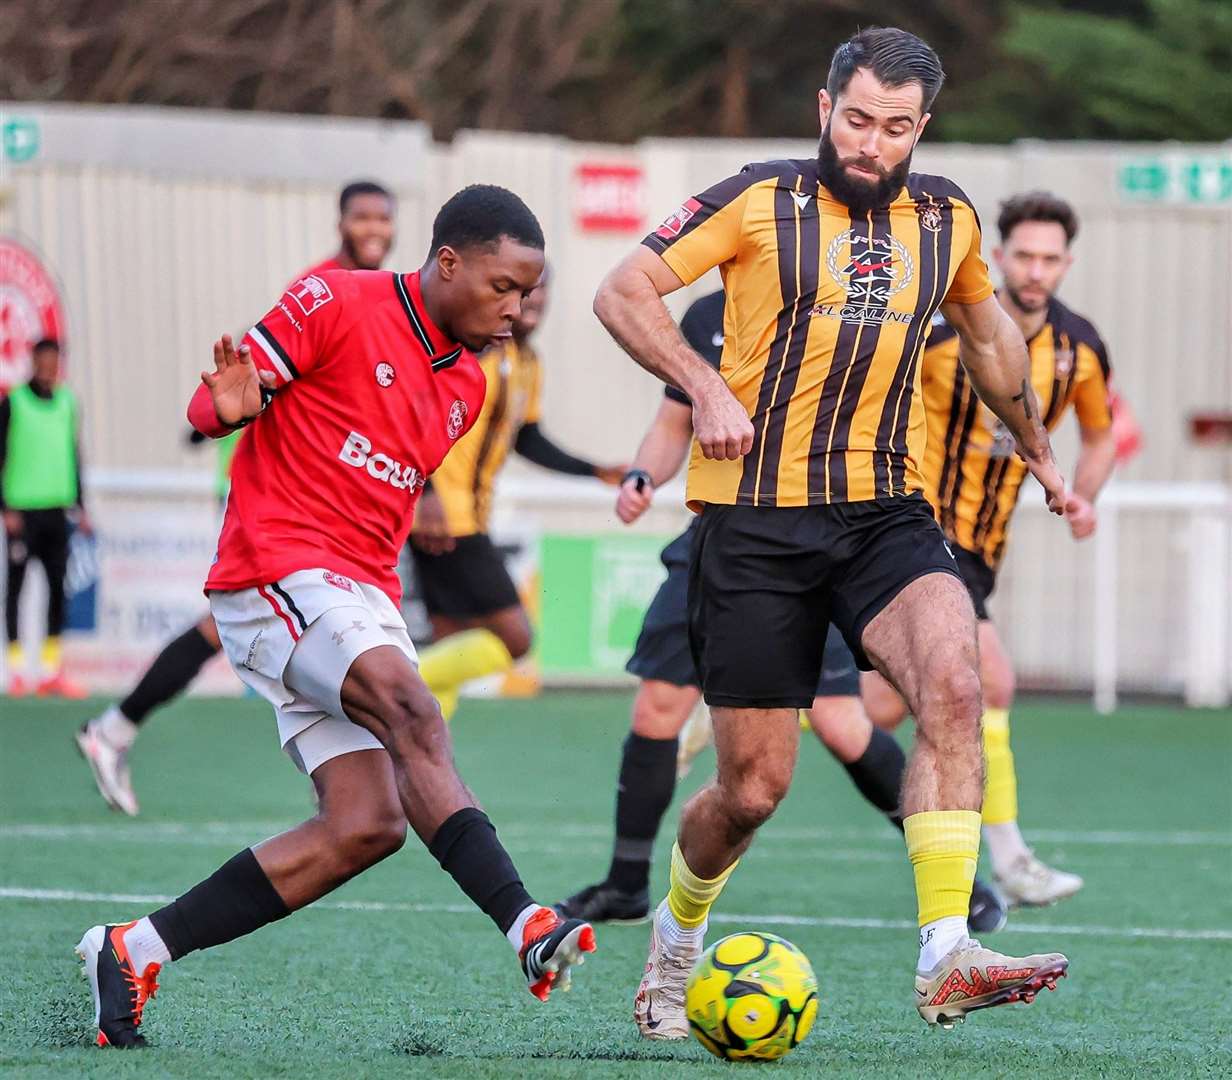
column 1025, row 397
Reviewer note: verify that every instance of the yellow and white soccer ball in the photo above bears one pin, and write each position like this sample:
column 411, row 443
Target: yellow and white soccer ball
column 751, row 997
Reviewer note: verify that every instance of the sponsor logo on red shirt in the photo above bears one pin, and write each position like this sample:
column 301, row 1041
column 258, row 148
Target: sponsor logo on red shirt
column 310, row 293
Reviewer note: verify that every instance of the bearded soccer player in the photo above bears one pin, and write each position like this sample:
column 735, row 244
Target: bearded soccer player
column 479, row 625
column 355, row 385
column 366, row 233
column 805, row 472
column 973, row 477
column 667, row 693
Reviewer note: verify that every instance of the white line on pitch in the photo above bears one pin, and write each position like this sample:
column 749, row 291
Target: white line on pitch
column 212, row 831
column 833, row 923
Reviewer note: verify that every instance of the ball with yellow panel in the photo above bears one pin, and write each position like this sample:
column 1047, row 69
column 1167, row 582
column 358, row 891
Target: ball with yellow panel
column 751, row 997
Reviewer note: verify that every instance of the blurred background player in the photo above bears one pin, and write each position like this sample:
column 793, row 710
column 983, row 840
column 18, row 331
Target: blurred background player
column 366, row 223
column 40, row 495
column 653, row 757
column 307, row 563
column 479, row 626
column 973, row 476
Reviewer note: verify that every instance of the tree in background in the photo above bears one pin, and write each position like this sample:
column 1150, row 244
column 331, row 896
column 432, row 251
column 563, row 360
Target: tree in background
column 619, row 70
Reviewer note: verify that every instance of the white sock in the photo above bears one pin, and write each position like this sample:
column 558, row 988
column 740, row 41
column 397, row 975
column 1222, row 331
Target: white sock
column 937, row 938
column 145, row 946
column 1005, row 844
column 677, row 938
column 116, row 728
column 514, row 933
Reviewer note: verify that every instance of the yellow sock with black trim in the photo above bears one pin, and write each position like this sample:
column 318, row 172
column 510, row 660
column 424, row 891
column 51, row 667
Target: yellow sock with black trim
column 1000, row 780
column 454, row 661
column 51, row 655
column 16, row 656
column 944, row 846
column 690, row 897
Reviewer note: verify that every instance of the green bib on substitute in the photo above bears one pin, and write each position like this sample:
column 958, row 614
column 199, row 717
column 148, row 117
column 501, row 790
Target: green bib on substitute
column 40, row 468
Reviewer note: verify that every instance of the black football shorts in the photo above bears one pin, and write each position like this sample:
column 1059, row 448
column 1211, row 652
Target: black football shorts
column 978, row 576
column 766, row 582
column 663, row 652
column 468, row 582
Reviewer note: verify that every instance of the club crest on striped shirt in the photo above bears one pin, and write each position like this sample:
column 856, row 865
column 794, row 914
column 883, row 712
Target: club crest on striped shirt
column 310, row 293
column 930, row 218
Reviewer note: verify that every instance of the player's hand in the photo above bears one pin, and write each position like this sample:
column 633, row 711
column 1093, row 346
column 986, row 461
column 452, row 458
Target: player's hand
column 636, row 495
column 430, row 532
column 13, row 523
column 610, row 474
column 84, row 525
column 1043, row 467
column 1080, row 513
column 720, row 424
column 235, row 383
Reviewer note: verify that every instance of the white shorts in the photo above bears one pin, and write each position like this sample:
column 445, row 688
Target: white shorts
column 293, row 641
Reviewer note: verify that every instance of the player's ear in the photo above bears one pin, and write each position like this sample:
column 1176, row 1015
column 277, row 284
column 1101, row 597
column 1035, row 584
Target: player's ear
column 919, row 128
column 446, row 262
column 824, row 106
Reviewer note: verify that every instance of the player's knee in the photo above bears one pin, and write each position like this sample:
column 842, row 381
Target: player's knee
column 661, row 709
column 363, row 840
column 953, row 697
column 415, row 723
column 752, row 800
column 518, row 639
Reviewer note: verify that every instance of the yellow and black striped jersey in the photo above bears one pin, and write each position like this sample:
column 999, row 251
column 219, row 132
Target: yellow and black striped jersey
column 972, row 473
column 827, row 312
column 465, row 479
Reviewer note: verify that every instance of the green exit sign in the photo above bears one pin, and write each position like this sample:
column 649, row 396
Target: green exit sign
column 19, row 139
column 1204, row 179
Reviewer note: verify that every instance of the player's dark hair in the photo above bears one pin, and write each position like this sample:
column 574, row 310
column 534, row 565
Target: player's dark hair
column 479, row 215
column 1037, row 206
column 895, row 58
column 45, row 343
column 361, row 187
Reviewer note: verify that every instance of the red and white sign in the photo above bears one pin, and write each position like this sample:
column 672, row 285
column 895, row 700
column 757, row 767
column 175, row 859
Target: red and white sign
column 609, row 198
column 31, row 308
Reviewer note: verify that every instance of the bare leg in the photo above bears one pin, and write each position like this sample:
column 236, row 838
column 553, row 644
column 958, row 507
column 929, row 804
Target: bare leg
column 360, row 822
column 885, row 705
column 924, row 643
column 756, row 751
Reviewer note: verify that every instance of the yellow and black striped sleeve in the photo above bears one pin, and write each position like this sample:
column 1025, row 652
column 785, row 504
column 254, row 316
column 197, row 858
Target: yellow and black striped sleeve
column 971, row 283
column 705, row 231
column 1091, row 373
column 533, row 410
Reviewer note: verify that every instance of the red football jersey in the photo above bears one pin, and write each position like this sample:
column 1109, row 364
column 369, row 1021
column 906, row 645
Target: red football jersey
column 371, row 396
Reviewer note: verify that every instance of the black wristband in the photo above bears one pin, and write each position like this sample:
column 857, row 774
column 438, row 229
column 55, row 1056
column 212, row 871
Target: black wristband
column 643, row 478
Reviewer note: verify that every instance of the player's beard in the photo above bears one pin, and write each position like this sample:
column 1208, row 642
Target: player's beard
column 858, row 195
column 1028, row 306
column 351, row 250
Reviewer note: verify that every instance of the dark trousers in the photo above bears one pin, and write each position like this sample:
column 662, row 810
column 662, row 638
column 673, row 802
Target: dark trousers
column 44, row 536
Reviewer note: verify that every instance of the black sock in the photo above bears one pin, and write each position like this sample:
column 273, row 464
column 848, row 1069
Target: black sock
column 173, row 669
column 647, row 783
column 235, row 900
column 878, row 774
column 468, row 850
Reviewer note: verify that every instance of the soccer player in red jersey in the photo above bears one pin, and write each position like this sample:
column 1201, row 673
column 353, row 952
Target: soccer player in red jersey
column 356, row 385
column 366, row 215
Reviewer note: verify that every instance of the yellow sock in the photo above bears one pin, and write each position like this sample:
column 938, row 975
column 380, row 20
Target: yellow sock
column 52, row 655
column 943, row 846
column 16, row 656
column 450, row 663
column 1000, row 782
column 689, row 896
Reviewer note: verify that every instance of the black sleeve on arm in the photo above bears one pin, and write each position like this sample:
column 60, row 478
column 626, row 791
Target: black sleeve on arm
column 538, row 449
column 5, row 411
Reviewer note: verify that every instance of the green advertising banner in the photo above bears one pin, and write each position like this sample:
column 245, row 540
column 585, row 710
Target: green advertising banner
column 595, row 590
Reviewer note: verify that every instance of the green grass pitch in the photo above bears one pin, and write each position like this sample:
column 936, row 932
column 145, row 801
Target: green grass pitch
column 394, row 977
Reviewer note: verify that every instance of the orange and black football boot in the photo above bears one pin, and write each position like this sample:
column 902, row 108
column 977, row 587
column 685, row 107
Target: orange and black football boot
column 120, row 993
column 551, row 946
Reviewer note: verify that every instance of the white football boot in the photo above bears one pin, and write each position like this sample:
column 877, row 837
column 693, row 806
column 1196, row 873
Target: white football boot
column 658, row 1008
column 1027, row 882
